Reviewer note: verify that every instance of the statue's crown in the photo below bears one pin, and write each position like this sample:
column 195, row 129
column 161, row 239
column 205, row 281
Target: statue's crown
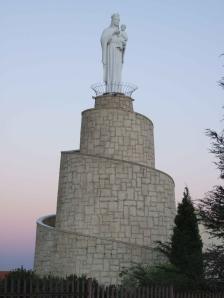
column 115, row 15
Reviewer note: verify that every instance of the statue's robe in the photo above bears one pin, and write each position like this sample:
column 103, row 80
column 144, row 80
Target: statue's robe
column 112, row 58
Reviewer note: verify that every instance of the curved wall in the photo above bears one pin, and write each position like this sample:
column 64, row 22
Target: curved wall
column 44, row 247
column 60, row 252
column 114, row 199
column 112, row 203
column 96, row 257
column 115, row 101
column 117, row 134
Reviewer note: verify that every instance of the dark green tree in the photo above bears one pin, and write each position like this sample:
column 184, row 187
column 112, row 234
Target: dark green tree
column 185, row 268
column 221, row 82
column 185, row 249
column 186, row 244
column 211, row 210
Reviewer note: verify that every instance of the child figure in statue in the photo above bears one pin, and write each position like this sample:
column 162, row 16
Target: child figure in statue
column 121, row 38
column 124, row 39
column 123, row 35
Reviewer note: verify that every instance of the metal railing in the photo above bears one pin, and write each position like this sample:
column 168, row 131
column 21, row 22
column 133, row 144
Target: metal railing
column 114, row 88
column 81, row 288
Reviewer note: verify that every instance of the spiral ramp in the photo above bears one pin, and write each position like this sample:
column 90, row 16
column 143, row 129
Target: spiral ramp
column 112, row 203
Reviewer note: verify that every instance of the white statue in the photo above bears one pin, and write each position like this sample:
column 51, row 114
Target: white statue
column 113, row 42
column 124, row 39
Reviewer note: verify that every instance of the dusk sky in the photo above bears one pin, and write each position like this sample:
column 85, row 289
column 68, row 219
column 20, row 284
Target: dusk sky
column 50, row 54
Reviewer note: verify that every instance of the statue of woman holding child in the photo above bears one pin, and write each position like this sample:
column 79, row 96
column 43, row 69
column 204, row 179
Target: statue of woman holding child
column 113, row 42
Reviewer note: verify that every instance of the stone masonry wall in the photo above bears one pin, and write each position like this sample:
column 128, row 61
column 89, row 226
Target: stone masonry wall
column 114, row 102
column 112, row 203
column 92, row 256
column 114, row 199
column 44, row 250
column 117, row 134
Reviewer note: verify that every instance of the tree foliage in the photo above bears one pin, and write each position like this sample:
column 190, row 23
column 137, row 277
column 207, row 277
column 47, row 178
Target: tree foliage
column 184, row 252
column 146, row 275
column 214, row 263
column 186, row 243
column 217, row 148
column 211, row 210
column 21, row 273
column 185, row 249
column 221, row 82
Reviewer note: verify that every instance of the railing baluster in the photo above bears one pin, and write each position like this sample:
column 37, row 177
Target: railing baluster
column 43, row 288
column 11, row 286
column 73, row 287
column 144, row 292
column 125, row 293
column 5, row 285
column 107, row 292
column 61, row 288
column 24, row 287
column 171, row 293
column 18, row 286
column 89, row 288
column 147, row 292
column 67, row 287
column 86, row 288
column 97, row 291
column 102, row 292
column 152, row 291
column 50, row 287
column 83, row 287
column 37, row 289
column 121, row 292
column 112, row 293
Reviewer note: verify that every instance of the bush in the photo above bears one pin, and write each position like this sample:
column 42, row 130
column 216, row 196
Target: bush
column 161, row 275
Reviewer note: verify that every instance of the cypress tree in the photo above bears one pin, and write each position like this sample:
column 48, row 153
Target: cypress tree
column 186, row 244
column 184, row 252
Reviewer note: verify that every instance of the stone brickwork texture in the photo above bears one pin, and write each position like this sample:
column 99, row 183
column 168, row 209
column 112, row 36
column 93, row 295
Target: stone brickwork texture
column 114, row 102
column 112, row 203
column 118, row 134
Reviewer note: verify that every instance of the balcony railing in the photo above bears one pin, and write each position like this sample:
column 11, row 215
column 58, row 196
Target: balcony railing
column 114, row 88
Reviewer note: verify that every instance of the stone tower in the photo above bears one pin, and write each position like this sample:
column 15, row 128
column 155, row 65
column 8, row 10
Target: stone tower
column 112, row 203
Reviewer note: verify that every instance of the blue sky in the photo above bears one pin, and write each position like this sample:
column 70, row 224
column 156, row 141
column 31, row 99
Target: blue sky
column 50, row 55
